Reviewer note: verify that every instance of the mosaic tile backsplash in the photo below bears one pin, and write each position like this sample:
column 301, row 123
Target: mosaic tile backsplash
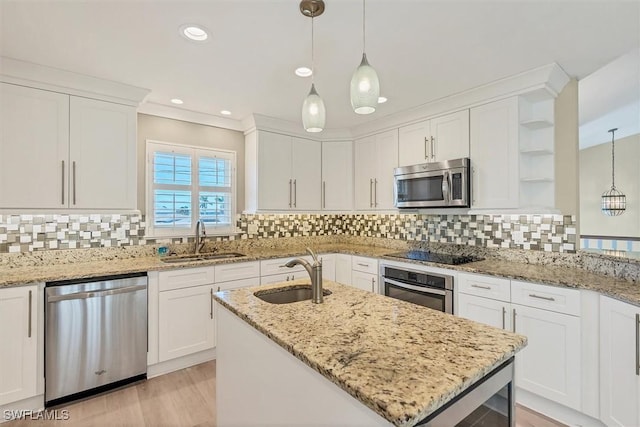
column 548, row 233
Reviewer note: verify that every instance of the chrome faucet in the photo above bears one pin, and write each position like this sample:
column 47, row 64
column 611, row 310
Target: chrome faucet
column 200, row 240
column 315, row 273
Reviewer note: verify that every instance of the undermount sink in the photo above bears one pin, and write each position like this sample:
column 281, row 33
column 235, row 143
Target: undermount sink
column 288, row 295
column 200, row 257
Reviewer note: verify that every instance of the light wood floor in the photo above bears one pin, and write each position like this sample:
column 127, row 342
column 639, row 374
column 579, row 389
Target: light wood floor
column 184, row 398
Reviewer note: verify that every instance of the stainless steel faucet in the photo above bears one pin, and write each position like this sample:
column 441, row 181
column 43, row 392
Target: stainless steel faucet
column 200, row 240
column 315, row 273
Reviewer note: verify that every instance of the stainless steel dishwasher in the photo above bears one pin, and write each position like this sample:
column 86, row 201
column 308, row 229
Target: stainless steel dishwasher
column 95, row 336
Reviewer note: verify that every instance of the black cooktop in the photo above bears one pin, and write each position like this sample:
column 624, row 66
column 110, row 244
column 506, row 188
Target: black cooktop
column 438, row 257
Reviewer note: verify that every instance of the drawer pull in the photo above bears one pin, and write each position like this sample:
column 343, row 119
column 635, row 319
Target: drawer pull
column 541, row 297
column 363, row 265
column 514, row 320
column 211, row 304
column 504, row 315
column 481, row 287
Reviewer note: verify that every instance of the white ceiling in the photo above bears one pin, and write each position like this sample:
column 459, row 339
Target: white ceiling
column 422, row 50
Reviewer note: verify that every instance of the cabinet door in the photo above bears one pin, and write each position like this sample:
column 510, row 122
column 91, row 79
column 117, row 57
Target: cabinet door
column 619, row 380
column 450, row 136
column 337, row 175
column 275, row 185
column 186, row 322
column 387, row 161
column 364, row 281
column 494, row 155
column 364, row 172
column 484, row 310
column 102, row 154
column 18, row 333
column 550, row 363
column 343, row 269
column 34, row 148
column 328, row 266
column 306, row 173
column 414, row 144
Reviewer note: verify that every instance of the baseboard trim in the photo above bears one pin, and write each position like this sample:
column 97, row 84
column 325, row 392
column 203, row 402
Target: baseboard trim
column 554, row 410
column 21, row 408
column 180, row 363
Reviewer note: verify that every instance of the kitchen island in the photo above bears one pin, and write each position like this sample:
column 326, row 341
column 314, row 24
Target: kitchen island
column 357, row 359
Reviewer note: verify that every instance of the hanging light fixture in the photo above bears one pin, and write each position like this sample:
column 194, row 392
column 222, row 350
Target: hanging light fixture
column 313, row 111
column 365, row 86
column 614, row 202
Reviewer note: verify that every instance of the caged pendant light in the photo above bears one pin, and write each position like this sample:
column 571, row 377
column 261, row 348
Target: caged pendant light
column 365, row 86
column 313, row 110
column 614, row 202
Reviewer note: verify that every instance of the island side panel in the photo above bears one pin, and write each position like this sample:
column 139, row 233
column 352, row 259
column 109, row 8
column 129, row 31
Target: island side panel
column 260, row 383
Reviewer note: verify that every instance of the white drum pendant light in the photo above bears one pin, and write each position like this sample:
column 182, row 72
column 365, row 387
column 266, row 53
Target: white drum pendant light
column 313, row 111
column 614, row 202
column 365, row 86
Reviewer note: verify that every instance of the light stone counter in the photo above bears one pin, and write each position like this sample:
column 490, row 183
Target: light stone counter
column 401, row 360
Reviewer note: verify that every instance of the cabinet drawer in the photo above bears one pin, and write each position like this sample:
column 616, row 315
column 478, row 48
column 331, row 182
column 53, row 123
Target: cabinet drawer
column 552, row 298
column 364, row 264
column 283, row 277
column 236, row 271
column 276, row 266
column 185, row 278
column 237, row 284
column 484, row 286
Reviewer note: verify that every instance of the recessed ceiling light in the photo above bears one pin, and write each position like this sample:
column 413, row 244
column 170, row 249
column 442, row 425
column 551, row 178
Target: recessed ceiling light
column 177, row 101
column 303, row 71
column 225, row 112
column 194, row 32
column 382, row 99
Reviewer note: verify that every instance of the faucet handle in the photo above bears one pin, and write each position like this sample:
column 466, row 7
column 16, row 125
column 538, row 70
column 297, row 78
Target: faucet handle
column 313, row 255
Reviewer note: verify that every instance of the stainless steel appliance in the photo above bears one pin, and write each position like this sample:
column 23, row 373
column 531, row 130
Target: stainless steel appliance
column 433, row 185
column 95, row 336
column 427, row 289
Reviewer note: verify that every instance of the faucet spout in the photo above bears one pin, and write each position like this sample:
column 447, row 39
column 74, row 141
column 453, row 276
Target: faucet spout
column 315, row 274
column 200, row 239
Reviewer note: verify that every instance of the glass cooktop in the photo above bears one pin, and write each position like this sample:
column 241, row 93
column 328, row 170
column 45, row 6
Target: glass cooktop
column 438, row 257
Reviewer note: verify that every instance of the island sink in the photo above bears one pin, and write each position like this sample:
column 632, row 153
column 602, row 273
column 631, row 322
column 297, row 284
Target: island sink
column 288, row 295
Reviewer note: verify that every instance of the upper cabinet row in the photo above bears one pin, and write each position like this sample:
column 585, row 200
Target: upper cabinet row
column 59, row 151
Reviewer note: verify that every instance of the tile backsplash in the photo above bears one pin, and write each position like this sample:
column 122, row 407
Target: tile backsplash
column 548, row 233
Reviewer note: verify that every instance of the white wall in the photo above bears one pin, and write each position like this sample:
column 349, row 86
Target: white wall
column 595, row 178
column 170, row 130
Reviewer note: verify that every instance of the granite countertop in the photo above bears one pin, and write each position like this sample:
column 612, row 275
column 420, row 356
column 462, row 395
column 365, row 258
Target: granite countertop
column 401, row 360
column 624, row 290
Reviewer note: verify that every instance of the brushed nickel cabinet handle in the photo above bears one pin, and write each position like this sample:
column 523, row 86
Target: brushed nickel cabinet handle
column 375, row 192
column 363, row 265
column 541, row 297
column 504, row 316
column 290, row 189
column 371, row 192
column 63, row 182
column 433, row 148
column 74, row 182
column 295, row 194
column 481, row 287
column 514, row 320
column 637, row 344
column 324, row 194
column 426, row 155
column 29, row 320
column 211, row 304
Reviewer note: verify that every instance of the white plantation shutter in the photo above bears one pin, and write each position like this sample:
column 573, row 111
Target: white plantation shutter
column 185, row 184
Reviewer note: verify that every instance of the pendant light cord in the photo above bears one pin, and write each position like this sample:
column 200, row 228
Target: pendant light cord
column 364, row 39
column 613, row 159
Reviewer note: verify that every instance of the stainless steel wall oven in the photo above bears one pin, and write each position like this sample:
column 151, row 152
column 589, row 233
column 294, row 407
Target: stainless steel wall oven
column 430, row 290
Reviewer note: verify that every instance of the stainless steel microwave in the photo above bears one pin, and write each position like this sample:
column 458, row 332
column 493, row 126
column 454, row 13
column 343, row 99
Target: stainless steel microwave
column 433, row 185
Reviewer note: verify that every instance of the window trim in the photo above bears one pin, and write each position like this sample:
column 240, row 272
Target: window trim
column 195, row 152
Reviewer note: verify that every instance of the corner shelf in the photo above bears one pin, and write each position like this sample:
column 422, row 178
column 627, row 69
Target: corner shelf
column 536, row 152
column 534, row 180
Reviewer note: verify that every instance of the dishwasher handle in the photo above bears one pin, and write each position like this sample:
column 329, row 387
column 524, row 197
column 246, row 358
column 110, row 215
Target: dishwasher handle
column 95, row 294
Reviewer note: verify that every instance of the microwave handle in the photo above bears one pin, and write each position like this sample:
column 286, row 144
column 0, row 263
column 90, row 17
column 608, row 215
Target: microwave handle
column 446, row 186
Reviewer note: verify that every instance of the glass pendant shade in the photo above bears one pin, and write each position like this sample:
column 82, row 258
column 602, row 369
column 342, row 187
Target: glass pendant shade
column 365, row 88
column 313, row 111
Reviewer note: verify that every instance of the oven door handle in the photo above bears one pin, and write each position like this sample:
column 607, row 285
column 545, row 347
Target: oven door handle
column 446, row 187
column 416, row 288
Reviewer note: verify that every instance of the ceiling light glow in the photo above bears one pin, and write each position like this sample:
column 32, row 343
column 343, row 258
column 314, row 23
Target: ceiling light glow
column 177, row 101
column 225, row 112
column 303, row 72
column 194, row 32
column 382, row 99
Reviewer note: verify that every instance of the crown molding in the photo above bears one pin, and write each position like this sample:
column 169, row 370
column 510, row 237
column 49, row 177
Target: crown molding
column 56, row 80
column 169, row 112
column 272, row 124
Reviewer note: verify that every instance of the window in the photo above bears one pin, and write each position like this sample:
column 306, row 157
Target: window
column 185, row 184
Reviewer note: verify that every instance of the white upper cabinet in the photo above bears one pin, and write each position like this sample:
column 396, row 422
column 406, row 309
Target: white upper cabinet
column 375, row 158
column 337, row 175
column 441, row 138
column 494, row 155
column 61, row 151
column 286, row 171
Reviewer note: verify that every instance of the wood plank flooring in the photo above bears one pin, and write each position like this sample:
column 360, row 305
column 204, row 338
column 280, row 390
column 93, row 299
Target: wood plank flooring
column 184, row 398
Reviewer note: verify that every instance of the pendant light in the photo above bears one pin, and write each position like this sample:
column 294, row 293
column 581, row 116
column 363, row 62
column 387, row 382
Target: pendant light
column 313, row 111
column 365, row 86
column 614, row 202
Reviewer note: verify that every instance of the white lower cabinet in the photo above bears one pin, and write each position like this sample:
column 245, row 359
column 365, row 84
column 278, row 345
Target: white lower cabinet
column 619, row 363
column 343, row 269
column 364, row 281
column 19, row 349
column 328, row 266
column 484, row 310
